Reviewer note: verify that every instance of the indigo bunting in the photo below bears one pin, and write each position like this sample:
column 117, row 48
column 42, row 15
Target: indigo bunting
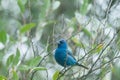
column 64, row 57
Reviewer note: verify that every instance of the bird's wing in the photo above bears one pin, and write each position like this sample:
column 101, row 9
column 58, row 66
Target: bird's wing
column 70, row 53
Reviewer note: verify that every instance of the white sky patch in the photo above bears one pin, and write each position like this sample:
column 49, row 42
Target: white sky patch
column 115, row 16
column 110, row 32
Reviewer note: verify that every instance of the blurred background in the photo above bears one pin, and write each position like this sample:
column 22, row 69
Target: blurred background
column 29, row 30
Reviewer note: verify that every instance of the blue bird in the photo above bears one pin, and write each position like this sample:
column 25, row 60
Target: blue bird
column 64, row 57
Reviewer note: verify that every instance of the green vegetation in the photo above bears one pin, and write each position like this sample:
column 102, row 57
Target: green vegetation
column 29, row 30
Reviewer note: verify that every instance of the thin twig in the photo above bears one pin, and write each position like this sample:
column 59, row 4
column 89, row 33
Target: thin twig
column 41, row 59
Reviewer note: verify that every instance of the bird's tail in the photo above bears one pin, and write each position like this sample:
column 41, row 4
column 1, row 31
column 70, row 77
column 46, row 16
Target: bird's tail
column 82, row 66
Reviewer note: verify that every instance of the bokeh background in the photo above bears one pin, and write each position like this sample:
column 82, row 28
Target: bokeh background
column 29, row 30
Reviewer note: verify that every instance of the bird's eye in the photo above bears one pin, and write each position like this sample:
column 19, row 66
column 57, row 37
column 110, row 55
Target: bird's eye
column 61, row 42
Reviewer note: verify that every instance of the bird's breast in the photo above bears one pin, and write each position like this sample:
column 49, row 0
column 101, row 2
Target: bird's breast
column 60, row 55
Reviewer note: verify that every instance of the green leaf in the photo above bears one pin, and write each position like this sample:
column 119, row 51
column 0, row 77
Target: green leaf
column 56, row 75
column 10, row 59
column 56, row 4
column 38, row 68
column 24, row 67
column 27, row 27
column 97, row 48
column 76, row 41
column 15, row 75
column 115, row 73
column 34, row 61
column 84, row 6
column 3, row 37
column 16, row 58
column 3, row 77
column 21, row 5
column 1, row 55
column 86, row 32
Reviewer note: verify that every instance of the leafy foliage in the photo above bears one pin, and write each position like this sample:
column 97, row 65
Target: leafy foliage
column 56, row 75
column 27, row 27
column 3, row 37
column 29, row 30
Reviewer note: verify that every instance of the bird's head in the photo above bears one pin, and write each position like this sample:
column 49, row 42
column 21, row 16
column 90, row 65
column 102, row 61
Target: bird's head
column 62, row 43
